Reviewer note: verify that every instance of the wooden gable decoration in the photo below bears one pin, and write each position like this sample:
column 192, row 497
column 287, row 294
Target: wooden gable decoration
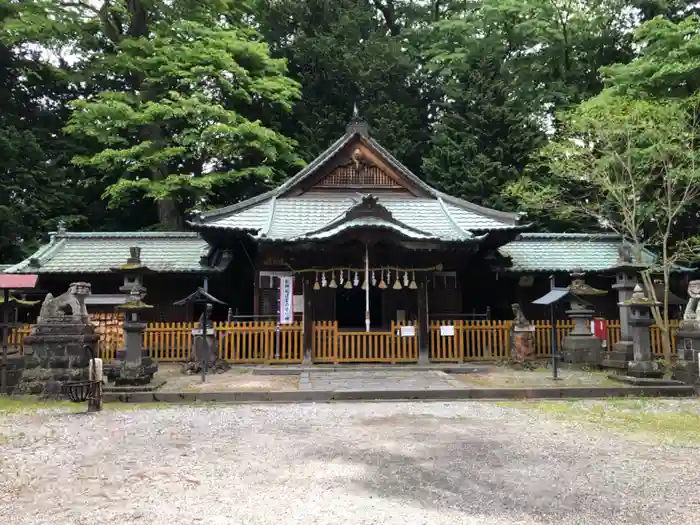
column 357, row 166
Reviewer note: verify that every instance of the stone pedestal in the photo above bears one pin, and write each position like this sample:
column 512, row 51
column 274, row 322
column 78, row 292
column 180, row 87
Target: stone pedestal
column 687, row 365
column 55, row 353
column 198, row 349
column 620, row 355
column 580, row 346
column 137, row 367
column 523, row 343
column 214, row 364
column 622, row 352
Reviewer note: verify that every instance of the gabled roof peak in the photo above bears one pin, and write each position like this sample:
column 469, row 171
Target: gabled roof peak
column 357, row 124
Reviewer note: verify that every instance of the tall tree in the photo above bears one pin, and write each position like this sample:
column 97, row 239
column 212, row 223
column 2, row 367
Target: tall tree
column 345, row 52
column 633, row 166
column 502, row 70
column 40, row 186
column 187, row 101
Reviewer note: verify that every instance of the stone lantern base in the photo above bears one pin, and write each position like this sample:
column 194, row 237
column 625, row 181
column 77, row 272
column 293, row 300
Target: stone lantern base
column 582, row 350
column 687, row 366
column 620, row 356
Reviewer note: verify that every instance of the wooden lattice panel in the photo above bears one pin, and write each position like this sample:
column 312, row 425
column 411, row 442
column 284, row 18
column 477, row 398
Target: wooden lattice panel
column 349, row 175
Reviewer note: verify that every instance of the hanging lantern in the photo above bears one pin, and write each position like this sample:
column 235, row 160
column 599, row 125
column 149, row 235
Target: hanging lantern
column 332, row 284
column 342, row 279
column 323, row 280
column 374, row 279
column 413, row 284
column 356, row 280
column 397, row 282
column 405, row 278
column 316, row 285
column 382, row 283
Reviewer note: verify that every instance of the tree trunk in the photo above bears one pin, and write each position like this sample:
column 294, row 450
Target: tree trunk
column 168, row 215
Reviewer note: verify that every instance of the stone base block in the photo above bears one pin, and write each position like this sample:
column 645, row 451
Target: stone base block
column 686, row 371
column 135, row 374
column 620, row 356
column 582, row 350
column 644, row 369
column 48, row 382
column 15, row 365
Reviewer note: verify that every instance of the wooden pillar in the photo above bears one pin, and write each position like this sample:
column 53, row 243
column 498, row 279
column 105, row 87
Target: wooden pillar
column 423, row 334
column 256, row 292
column 308, row 319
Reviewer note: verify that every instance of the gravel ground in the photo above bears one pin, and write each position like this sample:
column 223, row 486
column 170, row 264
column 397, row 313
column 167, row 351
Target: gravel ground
column 380, row 463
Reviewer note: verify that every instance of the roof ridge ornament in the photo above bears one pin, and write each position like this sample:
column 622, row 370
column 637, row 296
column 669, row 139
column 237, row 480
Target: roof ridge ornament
column 357, row 124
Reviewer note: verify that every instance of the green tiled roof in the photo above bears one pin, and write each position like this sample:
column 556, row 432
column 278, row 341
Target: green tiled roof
column 167, row 252
column 287, row 213
column 565, row 252
column 184, row 252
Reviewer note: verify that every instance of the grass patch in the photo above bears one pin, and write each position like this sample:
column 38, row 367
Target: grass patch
column 10, row 405
column 674, row 422
column 539, row 377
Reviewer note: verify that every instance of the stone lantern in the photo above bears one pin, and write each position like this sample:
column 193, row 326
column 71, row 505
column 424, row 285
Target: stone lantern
column 640, row 319
column 580, row 346
column 136, row 366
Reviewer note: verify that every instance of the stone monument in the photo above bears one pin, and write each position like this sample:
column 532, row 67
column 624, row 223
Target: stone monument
column 687, row 364
column 60, row 345
column 642, row 363
column 136, row 367
column 580, row 346
column 523, row 340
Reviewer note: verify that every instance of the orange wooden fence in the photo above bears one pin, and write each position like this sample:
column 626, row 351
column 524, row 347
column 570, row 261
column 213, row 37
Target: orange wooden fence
column 168, row 341
column 331, row 345
column 257, row 342
column 469, row 340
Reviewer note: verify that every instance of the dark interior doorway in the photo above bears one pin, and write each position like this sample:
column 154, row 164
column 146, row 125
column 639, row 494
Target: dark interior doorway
column 350, row 308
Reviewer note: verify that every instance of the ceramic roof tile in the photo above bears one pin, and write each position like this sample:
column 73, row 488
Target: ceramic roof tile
column 100, row 252
column 563, row 252
column 437, row 213
column 296, row 216
column 470, row 220
column 365, row 222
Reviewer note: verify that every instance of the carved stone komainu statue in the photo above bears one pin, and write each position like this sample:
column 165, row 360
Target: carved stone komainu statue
column 60, row 344
column 691, row 315
column 70, row 303
column 687, row 366
column 523, row 347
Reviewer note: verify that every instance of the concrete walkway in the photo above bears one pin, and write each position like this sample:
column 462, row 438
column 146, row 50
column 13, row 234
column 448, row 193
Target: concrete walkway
column 377, row 380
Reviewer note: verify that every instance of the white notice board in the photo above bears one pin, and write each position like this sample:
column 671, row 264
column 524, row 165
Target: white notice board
column 408, row 331
column 447, row 330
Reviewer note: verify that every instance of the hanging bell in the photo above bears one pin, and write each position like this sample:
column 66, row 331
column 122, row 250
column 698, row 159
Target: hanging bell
column 405, row 278
column 332, row 284
column 413, row 285
column 323, row 280
column 397, row 282
column 348, row 282
column 356, row 280
column 364, row 284
column 316, row 285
